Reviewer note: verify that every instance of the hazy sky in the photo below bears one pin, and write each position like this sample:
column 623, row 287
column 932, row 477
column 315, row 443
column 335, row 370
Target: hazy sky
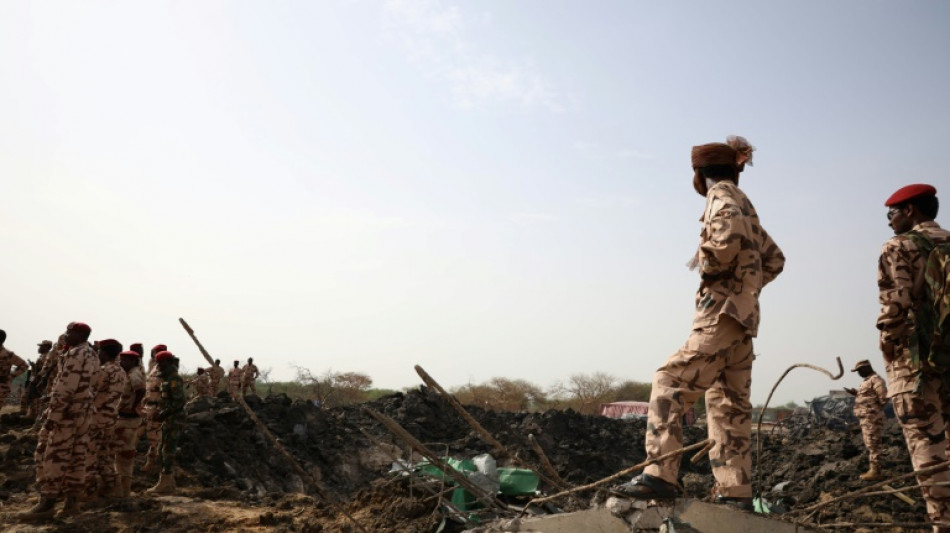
column 488, row 188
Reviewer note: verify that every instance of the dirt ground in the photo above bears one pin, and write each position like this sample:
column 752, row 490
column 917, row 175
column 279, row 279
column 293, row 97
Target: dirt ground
column 232, row 479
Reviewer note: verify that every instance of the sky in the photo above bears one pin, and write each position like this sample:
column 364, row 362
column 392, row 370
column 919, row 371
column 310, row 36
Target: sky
column 485, row 189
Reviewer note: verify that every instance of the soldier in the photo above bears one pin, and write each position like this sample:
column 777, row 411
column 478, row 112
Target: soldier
column 736, row 258
column 916, row 395
column 171, row 415
column 108, row 383
column 8, row 360
column 249, row 375
column 202, row 383
column 46, row 377
column 235, row 377
column 217, row 376
column 129, row 421
column 62, row 443
column 37, row 379
column 153, row 396
column 871, row 397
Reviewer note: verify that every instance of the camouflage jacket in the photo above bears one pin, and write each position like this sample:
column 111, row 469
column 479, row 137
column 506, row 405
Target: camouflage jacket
column 235, row 377
column 70, row 396
column 153, row 387
column 202, row 384
column 173, row 396
column 107, row 385
column 8, row 360
column 249, row 373
column 871, row 397
column 736, row 259
column 135, row 382
column 898, row 266
column 217, row 374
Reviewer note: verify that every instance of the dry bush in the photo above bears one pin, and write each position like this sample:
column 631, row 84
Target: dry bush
column 502, row 394
column 334, row 389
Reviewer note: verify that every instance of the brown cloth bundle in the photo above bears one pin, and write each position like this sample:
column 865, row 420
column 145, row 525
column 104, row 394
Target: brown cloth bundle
column 735, row 152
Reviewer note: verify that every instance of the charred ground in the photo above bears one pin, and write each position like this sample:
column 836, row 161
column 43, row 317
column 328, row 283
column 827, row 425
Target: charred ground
column 232, row 479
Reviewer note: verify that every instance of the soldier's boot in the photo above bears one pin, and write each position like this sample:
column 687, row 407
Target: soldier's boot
column 45, row 508
column 123, row 489
column 873, row 474
column 165, row 485
column 151, row 464
column 71, row 506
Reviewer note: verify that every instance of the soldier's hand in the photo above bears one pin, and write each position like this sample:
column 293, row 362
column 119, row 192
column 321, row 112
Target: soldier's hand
column 851, row 391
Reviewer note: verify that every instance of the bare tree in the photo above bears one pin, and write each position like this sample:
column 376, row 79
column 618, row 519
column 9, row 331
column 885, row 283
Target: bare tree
column 333, row 389
column 585, row 392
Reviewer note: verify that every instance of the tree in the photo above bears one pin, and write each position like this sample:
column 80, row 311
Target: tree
column 585, row 392
column 502, row 394
column 633, row 391
column 333, row 389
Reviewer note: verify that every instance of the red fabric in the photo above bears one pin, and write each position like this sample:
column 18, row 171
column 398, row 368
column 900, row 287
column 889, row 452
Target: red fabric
column 130, row 352
column 109, row 342
column 910, row 192
column 80, row 326
column 159, row 348
column 164, row 356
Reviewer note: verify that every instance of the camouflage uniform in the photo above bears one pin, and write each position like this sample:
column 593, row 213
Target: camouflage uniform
column 235, row 377
column 202, row 383
column 128, row 424
column 8, row 360
column 736, row 258
column 63, row 441
column 869, row 409
column 217, row 376
column 919, row 400
column 152, row 427
column 47, row 372
column 107, row 386
column 172, row 413
column 248, row 377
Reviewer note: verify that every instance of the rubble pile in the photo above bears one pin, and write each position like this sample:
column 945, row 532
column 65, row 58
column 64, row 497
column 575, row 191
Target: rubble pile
column 224, row 456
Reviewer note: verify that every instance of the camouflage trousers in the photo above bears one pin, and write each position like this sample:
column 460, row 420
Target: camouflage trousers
column 100, row 462
column 171, row 432
column 249, row 385
column 60, row 456
column 922, row 418
column 716, row 360
column 234, row 388
column 872, row 429
column 4, row 390
column 126, row 433
column 152, row 430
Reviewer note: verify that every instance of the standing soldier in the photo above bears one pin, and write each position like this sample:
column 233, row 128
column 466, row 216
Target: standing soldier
column 915, row 392
column 153, row 396
column 8, row 360
column 202, row 383
column 235, row 377
column 129, row 421
column 249, row 376
column 736, row 258
column 62, row 443
column 217, row 376
column 47, row 376
column 38, row 379
column 171, row 415
column 107, row 385
column 871, row 397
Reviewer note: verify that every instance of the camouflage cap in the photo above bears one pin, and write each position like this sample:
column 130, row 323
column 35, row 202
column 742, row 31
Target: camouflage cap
column 861, row 363
column 45, row 343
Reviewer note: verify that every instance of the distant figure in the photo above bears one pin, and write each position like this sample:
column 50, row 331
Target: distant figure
column 736, row 259
column 30, row 401
column 153, row 397
column 8, row 360
column 108, row 382
column 62, row 443
column 216, row 376
column 171, row 415
column 129, row 421
column 917, row 392
column 235, row 377
column 871, row 397
column 250, row 374
column 202, row 383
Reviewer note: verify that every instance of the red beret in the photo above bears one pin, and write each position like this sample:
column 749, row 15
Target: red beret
column 78, row 326
column 135, row 345
column 164, row 355
column 131, row 353
column 110, row 342
column 159, row 348
column 910, row 192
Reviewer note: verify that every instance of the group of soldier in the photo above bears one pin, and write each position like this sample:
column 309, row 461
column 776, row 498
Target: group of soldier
column 93, row 402
column 736, row 259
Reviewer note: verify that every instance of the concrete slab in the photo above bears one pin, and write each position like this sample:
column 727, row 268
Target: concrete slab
column 590, row 521
column 711, row 518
